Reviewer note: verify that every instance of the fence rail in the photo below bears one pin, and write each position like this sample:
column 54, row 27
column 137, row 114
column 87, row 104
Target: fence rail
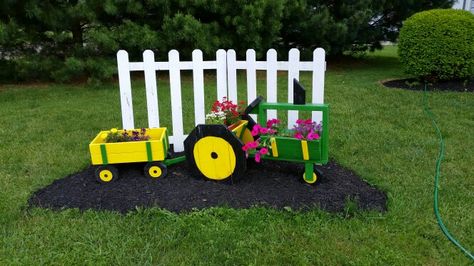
column 226, row 66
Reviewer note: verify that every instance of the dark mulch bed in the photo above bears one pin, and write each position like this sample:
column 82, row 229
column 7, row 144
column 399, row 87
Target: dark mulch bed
column 414, row 84
column 271, row 184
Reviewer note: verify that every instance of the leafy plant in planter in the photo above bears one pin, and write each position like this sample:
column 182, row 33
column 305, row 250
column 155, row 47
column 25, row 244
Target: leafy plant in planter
column 115, row 135
column 225, row 112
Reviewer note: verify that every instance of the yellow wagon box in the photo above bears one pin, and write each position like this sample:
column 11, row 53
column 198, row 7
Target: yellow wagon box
column 153, row 149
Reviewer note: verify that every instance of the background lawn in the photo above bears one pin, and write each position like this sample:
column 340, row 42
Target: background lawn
column 382, row 134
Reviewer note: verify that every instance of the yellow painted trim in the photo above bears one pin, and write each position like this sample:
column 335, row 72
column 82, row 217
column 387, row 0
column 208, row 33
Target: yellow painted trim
column 247, row 136
column 155, row 171
column 304, row 149
column 238, row 127
column 274, row 147
column 106, row 175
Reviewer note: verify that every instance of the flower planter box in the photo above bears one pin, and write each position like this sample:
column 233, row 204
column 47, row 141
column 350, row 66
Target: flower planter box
column 154, row 149
column 291, row 149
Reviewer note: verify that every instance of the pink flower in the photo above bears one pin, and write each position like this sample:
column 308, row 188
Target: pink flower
column 299, row 121
column 298, row 135
column 255, row 130
column 313, row 135
column 263, row 130
column 253, row 144
column 263, row 151
column 257, row 157
column 272, row 122
column 245, row 147
column 308, row 122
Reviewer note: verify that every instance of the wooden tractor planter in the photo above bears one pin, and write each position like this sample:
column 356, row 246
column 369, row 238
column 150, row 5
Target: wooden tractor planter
column 214, row 151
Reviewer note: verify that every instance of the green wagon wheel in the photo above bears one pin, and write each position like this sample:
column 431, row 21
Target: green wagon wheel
column 106, row 174
column 155, row 170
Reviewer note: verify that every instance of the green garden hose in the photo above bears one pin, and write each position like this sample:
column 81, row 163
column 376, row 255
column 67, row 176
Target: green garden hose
column 436, row 178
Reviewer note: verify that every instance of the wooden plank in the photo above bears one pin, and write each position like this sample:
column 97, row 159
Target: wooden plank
column 293, row 73
column 271, row 81
column 221, row 73
column 198, row 85
column 319, row 67
column 176, row 102
column 151, row 89
column 251, row 77
column 135, row 66
column 125, row 89
column 232, row 75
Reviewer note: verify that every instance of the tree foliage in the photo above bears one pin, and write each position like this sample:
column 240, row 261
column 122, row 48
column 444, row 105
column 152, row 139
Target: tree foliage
column 68, row 39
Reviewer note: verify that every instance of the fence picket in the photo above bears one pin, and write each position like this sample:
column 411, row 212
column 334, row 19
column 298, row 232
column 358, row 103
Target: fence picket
column 151, row 89
column 271, row 81
column 251, row 77
column 293, row 73
column 319, row 67
column 198, row 85
column 176, row 102
column 221, row 73
column 125, row 89
column 232, row 75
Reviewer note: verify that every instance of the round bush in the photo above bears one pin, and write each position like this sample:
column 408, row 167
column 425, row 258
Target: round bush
column 438, row 44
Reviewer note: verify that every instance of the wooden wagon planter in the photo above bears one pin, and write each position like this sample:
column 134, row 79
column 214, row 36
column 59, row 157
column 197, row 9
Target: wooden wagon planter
column 309, row 152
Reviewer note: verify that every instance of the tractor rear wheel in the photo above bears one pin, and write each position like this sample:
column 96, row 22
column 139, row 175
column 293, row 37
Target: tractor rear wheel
column 215, row 152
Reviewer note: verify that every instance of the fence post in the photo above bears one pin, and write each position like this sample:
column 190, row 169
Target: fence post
column 151, row 89
column 125, row 86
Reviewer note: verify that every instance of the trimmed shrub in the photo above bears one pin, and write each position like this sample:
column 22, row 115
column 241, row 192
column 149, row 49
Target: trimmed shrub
column 438, row 44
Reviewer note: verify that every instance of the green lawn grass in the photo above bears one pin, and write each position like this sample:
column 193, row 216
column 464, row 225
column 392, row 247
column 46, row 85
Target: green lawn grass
column 381, row 134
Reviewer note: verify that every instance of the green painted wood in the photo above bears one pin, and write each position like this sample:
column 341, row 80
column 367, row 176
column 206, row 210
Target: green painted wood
column 308, row 171
column 148, row 151
column 290, row 149
column 166, row 143
column 176, row 160
column 103, row 152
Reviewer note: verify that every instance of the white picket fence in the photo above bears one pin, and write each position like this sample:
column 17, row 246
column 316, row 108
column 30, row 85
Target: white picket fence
column 226, row 66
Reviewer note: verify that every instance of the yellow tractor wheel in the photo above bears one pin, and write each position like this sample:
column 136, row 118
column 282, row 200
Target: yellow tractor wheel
column 106, row 174
column 215, row 152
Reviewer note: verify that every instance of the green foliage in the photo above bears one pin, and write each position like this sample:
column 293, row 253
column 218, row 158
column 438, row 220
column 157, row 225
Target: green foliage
column 438, row 44
column 67, row 40
column 340, row 26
